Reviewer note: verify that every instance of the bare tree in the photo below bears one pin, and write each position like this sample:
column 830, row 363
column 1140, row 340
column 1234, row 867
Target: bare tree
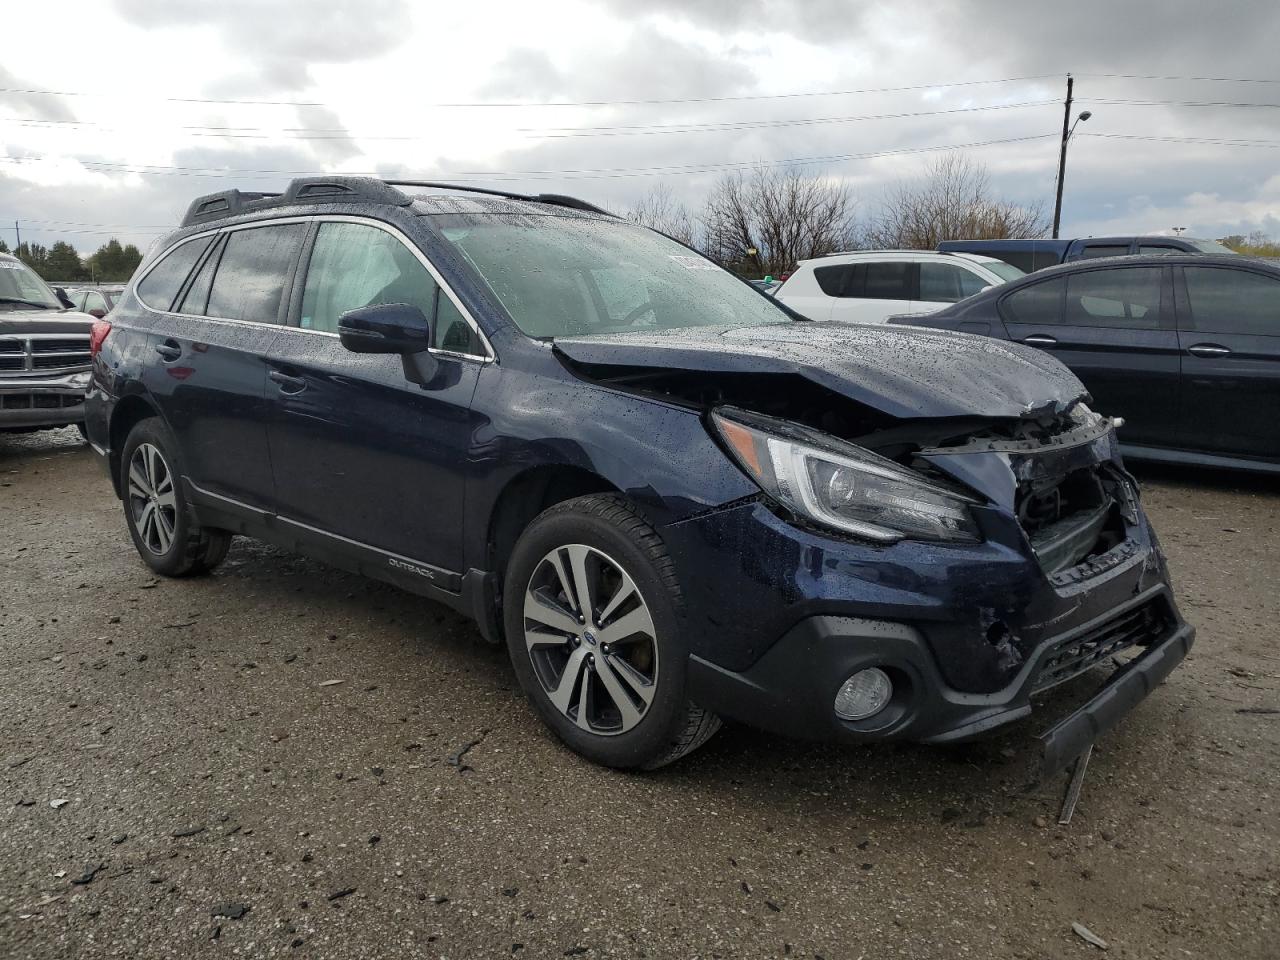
column 952, row 201
column 766, row 220
column 660, row 210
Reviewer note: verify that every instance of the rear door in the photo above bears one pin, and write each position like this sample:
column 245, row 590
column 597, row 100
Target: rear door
column 1229, row 331
column 210, row 377
column 1114, row 328
column 360, row 453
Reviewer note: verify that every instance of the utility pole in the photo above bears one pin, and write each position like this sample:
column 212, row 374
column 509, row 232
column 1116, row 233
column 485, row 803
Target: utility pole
column 17, row 233
column 1062, row 156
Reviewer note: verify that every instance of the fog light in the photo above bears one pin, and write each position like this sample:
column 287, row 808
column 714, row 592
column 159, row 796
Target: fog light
column 864, row 694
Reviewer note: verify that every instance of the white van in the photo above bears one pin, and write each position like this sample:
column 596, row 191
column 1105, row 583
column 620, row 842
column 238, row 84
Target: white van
column 868, row 287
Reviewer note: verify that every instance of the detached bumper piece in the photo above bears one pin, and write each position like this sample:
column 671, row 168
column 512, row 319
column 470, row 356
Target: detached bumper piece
column 1128, row 686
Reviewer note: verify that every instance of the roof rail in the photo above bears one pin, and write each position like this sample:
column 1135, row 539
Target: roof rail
column 339, row 189
column 556, row 199
column 336, row 189
column 216, row 206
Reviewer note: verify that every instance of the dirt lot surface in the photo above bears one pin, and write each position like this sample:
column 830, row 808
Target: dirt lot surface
column 171, row 750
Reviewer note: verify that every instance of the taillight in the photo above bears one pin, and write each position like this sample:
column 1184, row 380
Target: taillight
column 97, row 334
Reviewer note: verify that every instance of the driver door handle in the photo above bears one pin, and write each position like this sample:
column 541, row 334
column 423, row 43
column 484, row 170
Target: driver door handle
column 1207, row 350
column 288, row 382
column 1040, row 340
column 169, row 350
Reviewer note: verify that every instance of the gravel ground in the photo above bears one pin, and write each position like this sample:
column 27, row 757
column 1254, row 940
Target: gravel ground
column 171, row 750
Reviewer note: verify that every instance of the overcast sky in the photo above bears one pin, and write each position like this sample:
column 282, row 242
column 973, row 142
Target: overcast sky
column 157, row 101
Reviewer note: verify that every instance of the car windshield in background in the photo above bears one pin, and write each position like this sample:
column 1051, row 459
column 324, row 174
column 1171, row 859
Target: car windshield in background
column 571, row 276
column 1211, row 246
column 20, row 288
column 1005, row 271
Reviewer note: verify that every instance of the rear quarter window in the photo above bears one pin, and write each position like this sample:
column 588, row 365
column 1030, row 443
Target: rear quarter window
column 1037, row 303
column 165, row 279
column 832, row 280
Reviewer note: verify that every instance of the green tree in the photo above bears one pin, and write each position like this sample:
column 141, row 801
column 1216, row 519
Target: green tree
column 112, row 262
column 63, row 265
column 34, row 256
column 4, row 247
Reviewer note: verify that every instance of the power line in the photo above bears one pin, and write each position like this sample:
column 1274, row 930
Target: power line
column 583, row 173
column 268, row 133
column 565, row 103
column 1177, row 103
column 1212, row 141
column 1149, row 76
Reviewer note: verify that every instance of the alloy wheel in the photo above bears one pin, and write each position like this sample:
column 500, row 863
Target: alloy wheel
column 152, row 501
column 591, row 639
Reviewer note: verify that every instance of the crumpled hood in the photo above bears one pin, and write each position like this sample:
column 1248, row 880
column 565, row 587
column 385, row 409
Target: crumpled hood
column 901, row 371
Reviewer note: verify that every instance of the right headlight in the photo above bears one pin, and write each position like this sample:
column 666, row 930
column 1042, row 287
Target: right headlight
column 842, row 486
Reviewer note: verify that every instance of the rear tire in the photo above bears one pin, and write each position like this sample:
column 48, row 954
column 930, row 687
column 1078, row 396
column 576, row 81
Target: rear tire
column 160, row 520
column 594, row 630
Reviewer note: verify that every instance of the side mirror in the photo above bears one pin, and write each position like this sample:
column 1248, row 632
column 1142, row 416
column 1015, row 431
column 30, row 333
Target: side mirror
column 97, row 312
column 385, row 328
column 63, row 298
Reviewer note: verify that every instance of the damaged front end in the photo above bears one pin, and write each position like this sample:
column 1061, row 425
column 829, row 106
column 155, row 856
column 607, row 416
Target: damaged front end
column 974, row 554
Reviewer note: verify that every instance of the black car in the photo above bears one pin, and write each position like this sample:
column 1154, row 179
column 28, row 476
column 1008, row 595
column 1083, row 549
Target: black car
column 1185, row 348
column 672, row 499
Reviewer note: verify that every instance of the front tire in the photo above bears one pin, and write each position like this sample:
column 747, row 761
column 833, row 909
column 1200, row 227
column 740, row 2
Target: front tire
column 160, row 521
column 593, row 626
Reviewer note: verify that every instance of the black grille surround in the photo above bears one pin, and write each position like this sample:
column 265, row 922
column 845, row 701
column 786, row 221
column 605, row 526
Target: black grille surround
column 1073, row 655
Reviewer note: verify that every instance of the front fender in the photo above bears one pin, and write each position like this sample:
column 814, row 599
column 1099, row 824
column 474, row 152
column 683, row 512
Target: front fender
column 659, row 454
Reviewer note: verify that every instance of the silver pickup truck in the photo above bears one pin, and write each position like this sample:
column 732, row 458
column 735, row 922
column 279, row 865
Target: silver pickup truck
column 44, row 354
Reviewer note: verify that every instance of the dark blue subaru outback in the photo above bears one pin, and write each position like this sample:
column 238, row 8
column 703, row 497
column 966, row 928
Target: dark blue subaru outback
column 673, row 499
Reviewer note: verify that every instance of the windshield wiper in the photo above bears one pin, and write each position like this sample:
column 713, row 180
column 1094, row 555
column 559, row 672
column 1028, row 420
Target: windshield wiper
column 29, row 303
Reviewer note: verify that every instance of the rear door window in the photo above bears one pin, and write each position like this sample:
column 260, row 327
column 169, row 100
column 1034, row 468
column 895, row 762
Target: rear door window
column 1223, row 300
column 886, row 281
column 165, row 279
column 947, row 283
column 1159, row 248
column 1126, row 298
column 1039, row 303
column 253, row 272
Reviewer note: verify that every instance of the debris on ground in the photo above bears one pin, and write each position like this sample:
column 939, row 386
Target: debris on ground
column 231, row 911
column 86, row 878
column 1088, row 936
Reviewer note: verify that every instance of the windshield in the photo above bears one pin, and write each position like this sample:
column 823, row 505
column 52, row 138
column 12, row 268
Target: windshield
column 1005, row 271
column 18, row 282
column 1210, row 246
column 571, row 277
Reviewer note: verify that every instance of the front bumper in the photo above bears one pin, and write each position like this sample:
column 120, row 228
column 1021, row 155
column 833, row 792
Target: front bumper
column 779, row 615
column 791, row 689
column 34, row 402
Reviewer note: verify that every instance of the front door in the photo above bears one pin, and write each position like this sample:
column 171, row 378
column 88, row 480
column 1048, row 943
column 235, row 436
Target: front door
column 1229, row 331
column 359, row 451
column 1114, row 328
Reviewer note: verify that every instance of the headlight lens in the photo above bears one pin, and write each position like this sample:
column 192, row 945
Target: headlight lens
column 841, row 485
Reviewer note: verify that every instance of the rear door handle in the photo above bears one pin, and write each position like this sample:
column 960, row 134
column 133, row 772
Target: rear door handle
column 1040, row 340
column 170, row 350
column 1208, row 350
column 288, row 382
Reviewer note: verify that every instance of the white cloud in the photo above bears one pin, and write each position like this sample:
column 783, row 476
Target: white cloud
column 384, row 69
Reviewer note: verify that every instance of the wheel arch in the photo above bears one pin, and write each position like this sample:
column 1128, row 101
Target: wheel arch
column 528, row 494
column 129, row 412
